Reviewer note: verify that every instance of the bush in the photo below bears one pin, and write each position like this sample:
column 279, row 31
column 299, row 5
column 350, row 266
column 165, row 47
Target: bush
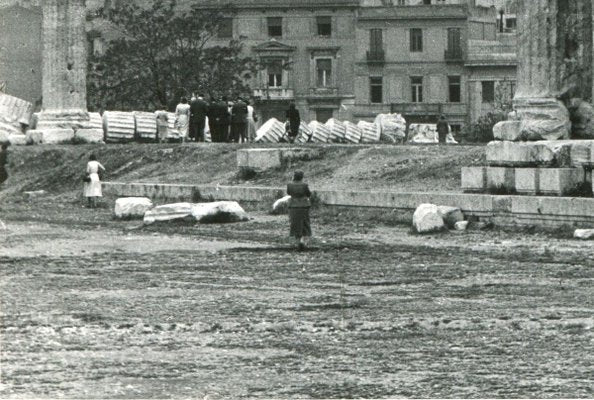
column 482, row 130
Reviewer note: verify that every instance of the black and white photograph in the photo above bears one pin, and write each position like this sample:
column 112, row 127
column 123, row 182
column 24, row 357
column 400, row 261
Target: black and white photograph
column 296, row 199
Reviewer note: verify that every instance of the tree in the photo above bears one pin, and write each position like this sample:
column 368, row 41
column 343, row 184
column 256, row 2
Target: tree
column 162, row 52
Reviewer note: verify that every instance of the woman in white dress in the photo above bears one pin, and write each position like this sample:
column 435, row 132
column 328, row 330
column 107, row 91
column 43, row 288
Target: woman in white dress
column 92, row 188
column 182, row 118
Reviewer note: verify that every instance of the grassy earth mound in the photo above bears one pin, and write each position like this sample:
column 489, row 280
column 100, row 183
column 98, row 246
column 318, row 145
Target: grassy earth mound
column 59, row 169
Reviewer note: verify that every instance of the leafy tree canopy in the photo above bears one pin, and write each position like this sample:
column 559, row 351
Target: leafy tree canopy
column 160, row 53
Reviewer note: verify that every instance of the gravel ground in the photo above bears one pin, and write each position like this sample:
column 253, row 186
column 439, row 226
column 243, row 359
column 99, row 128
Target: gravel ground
column 97, row 308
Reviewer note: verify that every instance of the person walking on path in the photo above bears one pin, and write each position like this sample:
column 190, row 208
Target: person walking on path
column 3, row 162
column 92, row 188
column 443, row 128
column 239, row 121
column 299, row 206
column 252, row 119
column 294, row 120
column 198, row 111
column 182, row 118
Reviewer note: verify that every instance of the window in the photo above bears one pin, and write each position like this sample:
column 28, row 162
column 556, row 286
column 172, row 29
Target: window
column 416, row 84
column 324, row 72
column 323, row 115
column 488, row 91
column 375, row 41
column 510, row 23
column 427, row 2
column 225, row 28
column 456, row 128
column 401, row 3
column 416, row 40
column 376, row 88
column 454, row 41
column 275, row 73
column 275, row 26
column 324, row 26
column 455, row 92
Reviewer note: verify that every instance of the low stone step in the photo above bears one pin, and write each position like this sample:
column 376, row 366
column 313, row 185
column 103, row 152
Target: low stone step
column 530, row 181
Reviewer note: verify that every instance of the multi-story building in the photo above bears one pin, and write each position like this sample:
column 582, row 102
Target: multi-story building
column 348, row 59
column 419, row 58
column 305, row 50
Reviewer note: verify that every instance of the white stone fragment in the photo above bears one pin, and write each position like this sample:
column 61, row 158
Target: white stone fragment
column 584, row 234
column 461, row 225
column 218, row 211
column 281, row 206
column 427, row 219
column 132, row 207
column 450, row 215
column 168, row 212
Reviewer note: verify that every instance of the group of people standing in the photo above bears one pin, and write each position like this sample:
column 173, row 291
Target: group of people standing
column 231, row 122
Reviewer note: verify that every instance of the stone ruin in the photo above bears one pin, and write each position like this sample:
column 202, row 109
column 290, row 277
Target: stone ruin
column 64, row 112
column 547, row 145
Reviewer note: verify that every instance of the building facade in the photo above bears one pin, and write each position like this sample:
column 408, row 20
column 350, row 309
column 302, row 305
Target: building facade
column 347, row 59
column 305, row 51
column 424, row 58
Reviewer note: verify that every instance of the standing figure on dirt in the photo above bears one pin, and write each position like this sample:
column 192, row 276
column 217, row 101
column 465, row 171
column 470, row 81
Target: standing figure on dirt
column 182, row 118
column 443, row 128
column 239, row 121
column 3, row 162
column 252, row 119
column 92, row 188
column 299, row 205
column 294, row 121
column 198, row 111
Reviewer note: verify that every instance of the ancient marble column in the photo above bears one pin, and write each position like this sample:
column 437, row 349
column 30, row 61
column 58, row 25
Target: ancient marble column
column 64, row 104
column 554, row 65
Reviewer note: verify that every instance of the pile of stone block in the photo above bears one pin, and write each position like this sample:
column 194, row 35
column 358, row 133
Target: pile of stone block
column 320, row 133
column 271, row 131
column 370, row 132
column 555, row 167
column 337, row 131
column 392, row 127
column 146, row 126
column 427, row 133
column 15, row 113
column 119, row 126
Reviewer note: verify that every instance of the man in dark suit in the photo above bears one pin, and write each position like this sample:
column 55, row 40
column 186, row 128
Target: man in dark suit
column 220, row 117
column 198, row 111
column 443, row 128
column 239, row 121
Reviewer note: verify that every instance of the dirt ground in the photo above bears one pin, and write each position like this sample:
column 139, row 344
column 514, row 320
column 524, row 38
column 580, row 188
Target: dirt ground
column 92, row 307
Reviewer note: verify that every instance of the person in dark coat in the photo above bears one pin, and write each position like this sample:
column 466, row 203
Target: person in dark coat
column 299, row 205
column 294, row 120
column 443, row 128
column 3, row 162
column 220, row 120
column 239, row 121
column 198, row 112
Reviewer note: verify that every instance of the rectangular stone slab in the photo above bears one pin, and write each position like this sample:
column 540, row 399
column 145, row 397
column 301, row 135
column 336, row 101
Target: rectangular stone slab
column 499, row 178
column 548, row 181
column 553, row 153
column 474, row 179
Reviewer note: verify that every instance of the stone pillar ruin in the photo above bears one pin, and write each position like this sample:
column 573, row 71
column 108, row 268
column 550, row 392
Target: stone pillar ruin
column 554, row 67
column 64, row 103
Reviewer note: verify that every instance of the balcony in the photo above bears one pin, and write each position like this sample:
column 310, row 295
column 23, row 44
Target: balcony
column 453, row 55
column 376, row 56
column 323, row 92
column 274, row 93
